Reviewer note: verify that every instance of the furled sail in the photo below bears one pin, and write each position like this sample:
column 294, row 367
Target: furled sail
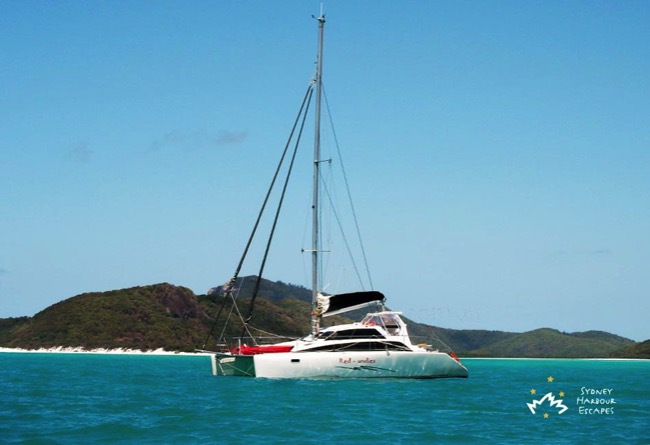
column 336, row 304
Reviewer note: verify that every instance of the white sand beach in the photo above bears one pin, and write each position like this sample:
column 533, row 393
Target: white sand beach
column 80, row 350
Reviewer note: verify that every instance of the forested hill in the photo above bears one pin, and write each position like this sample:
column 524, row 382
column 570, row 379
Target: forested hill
column 174, row 318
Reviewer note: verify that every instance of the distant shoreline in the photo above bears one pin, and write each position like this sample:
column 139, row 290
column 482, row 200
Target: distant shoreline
column 118, row 351
column 160, row 351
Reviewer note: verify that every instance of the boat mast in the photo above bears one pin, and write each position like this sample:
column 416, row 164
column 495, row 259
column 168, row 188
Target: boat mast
column 315, row 206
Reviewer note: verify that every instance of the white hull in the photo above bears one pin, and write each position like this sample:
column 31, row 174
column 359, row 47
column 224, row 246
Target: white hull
column 354, row 364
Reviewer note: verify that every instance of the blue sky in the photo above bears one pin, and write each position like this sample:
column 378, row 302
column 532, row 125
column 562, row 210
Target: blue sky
column 498, row 151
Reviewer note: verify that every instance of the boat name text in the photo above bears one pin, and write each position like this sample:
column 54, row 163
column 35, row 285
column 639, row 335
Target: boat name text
column 362, row 360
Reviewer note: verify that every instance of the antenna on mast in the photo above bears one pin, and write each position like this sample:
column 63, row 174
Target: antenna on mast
column 321, row 15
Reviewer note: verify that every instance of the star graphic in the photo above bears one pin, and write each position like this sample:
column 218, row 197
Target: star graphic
column 546, row 415
column 533, row 391
column 561, row 393
column 550, row 379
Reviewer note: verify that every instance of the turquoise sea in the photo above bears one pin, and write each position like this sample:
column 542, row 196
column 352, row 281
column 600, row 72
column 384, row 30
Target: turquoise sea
column 94, row 398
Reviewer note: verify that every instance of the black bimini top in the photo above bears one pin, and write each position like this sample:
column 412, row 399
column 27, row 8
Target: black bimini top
column 341, row 302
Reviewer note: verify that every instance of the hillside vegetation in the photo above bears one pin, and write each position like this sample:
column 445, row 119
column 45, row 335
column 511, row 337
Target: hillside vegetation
column 146, row 317
column 173, row 318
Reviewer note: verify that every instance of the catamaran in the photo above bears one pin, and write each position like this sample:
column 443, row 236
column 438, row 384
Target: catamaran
column 378, row 345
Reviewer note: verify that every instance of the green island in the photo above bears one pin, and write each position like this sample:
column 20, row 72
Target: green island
column 173, row 318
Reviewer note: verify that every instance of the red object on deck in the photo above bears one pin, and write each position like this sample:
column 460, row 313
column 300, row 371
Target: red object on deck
column 264, row 349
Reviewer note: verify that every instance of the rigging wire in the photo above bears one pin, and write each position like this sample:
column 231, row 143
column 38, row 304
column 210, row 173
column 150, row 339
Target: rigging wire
column 234, row 308
column 347, row 188
column 230, row 286
column 228, row 291
column 345, row 238
column 277, row 214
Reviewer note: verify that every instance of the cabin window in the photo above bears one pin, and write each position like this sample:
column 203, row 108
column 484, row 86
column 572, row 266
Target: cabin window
column 362, row 346
column 350, row 334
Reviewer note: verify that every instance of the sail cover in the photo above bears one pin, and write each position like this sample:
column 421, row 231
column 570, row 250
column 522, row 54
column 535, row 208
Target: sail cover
column 336, row 304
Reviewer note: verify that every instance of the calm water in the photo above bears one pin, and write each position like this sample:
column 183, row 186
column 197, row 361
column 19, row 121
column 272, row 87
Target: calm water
column 83, row 398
